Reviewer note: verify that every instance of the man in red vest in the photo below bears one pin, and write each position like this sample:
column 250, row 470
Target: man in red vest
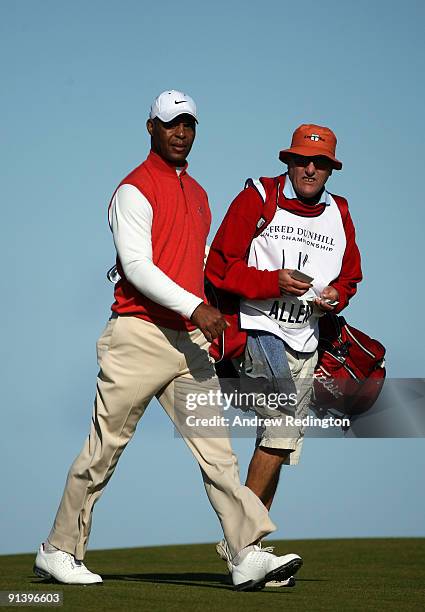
column 156, row 345
column 286, row 249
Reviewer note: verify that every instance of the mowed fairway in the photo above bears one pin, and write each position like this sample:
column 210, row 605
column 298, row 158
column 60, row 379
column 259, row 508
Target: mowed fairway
column 340, row 575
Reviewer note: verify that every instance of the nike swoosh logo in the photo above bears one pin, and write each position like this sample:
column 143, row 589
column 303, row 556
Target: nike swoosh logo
column 180, row 102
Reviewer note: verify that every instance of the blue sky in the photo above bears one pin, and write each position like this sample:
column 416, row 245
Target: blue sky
column 78, row 79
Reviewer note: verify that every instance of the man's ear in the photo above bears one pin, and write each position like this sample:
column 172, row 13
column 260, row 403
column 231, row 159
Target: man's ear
column 149, row 126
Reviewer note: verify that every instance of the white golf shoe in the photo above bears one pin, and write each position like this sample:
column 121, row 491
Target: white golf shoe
column 63, row 567
column 223, row 552
column 260, row 567
column 277, row 584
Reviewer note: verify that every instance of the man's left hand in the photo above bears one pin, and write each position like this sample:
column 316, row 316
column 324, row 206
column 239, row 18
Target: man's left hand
column 209, row 320
column 328, row 293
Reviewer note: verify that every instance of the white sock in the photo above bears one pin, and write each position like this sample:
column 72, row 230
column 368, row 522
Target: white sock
column 242, row 554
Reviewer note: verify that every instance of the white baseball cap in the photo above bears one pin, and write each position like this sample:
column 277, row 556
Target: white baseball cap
column 170, row 104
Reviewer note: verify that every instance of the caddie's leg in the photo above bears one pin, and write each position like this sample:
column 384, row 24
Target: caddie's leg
column 277, row 446
column 135, row 360
column 264, row 471
column 243, row 517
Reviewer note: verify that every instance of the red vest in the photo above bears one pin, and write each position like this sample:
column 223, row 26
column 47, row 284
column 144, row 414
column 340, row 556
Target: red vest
column 180, row 226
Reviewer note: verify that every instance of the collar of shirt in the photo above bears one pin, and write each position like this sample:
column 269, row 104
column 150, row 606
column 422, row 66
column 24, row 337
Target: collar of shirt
column 289, row 192
column 163, row 166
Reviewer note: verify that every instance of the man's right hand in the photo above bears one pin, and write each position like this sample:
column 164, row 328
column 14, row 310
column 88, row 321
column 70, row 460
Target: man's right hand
column 290, row 285
column 209, row 320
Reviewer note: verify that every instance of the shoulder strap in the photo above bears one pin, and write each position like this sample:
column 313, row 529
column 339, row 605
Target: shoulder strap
column 269, row 197
column 257, row 185
column 342, row 205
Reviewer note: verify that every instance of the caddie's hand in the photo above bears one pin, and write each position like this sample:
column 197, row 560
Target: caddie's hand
column 290, row 285
column 209, row 320
column 328, row 293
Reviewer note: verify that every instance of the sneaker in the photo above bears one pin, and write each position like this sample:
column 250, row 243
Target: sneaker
column 223, row 552
column 63, row 567
column 259, row 567
column 277, row 584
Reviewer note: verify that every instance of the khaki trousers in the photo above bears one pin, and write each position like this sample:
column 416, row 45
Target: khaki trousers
column 139, row 360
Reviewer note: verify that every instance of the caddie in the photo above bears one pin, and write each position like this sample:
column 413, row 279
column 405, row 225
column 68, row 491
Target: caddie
column 286, row 250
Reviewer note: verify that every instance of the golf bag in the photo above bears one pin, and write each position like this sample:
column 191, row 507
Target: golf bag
column 351, row 368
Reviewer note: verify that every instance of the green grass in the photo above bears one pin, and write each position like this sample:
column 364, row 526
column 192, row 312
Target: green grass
column 341, row 575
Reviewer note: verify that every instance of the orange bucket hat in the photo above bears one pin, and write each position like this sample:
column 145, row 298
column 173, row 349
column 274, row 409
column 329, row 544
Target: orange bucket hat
column 312, row 140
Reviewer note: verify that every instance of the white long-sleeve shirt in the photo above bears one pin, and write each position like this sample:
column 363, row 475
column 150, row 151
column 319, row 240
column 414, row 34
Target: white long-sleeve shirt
column 130, row 218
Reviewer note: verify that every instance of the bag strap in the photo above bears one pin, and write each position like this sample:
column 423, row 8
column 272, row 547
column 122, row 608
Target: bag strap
column 269, row 197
